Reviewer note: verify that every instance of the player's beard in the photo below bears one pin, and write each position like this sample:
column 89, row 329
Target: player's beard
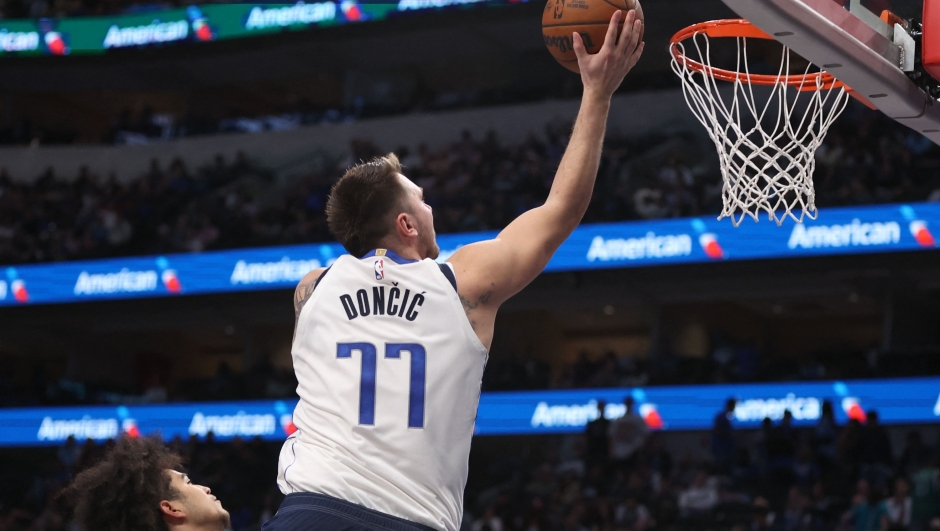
column 222, row 519
column 433, row 249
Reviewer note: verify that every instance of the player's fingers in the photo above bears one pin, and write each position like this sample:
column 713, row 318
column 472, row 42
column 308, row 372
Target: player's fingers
column 610, row 41
column 635, row 56
column 634, row 39
column 625, row 33
column 579, row 51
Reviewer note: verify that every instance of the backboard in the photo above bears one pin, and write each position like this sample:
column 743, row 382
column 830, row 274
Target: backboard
column 885, row 58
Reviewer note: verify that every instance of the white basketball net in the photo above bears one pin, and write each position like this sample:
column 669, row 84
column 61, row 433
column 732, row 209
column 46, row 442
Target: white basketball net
column 763, row 168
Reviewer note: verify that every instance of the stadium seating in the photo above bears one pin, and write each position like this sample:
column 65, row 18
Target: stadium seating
column 473, row 182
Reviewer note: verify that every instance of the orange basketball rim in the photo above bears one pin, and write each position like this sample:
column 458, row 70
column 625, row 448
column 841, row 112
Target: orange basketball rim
column 739, row 27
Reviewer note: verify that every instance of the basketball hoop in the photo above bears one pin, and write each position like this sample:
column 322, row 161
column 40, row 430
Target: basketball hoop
column 767, row 166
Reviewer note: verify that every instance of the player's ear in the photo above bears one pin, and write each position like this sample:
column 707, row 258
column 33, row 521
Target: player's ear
column 405, row 225
column 173, row 511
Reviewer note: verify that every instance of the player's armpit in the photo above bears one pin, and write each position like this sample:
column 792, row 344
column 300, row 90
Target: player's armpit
column 491, row 271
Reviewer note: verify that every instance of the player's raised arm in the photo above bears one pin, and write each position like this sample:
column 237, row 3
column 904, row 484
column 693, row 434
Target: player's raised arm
column 490, row 272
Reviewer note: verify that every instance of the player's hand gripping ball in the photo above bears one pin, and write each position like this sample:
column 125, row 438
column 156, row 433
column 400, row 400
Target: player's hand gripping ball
column 589, row 18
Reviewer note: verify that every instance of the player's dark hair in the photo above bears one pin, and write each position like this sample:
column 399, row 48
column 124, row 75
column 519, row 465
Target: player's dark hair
column 123, row 491
column 361, row 203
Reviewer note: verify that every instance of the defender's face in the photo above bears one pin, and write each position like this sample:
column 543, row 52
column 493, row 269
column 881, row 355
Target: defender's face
column 203, row 510
column 425, row 217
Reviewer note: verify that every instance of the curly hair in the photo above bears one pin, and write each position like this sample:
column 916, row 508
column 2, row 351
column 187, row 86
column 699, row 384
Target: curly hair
column 123, row 491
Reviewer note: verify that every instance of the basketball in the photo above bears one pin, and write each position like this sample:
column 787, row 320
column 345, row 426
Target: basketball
column 590, row 18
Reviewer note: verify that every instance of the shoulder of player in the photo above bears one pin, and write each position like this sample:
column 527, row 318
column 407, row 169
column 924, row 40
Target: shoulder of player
column 466, row 263
column 310, row 279
column 305, row 287
column 477, row 256
column 480, row 266
column 475, row 274
column 304, row 291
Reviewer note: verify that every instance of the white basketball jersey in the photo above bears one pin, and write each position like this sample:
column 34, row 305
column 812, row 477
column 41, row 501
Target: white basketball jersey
column 389, row 374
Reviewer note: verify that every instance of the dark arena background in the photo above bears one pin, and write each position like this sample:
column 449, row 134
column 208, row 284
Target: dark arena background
column 164, row 169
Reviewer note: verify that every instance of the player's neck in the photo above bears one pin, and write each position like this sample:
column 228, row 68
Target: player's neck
column 405, row 251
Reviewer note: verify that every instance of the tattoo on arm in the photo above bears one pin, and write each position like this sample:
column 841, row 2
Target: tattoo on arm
column 468, row 306
column 301, row 296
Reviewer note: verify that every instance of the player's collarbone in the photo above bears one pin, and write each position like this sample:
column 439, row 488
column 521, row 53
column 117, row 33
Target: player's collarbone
column 379, row 301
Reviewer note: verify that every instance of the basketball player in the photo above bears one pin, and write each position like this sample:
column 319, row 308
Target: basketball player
column 137, row 487
column 389, row 346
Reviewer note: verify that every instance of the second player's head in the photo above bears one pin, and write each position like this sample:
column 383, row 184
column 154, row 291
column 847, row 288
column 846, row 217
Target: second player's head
column 137, row 486
column 374, row 206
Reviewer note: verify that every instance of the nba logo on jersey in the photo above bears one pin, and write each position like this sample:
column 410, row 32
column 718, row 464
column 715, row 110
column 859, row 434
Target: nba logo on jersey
column 380, row 269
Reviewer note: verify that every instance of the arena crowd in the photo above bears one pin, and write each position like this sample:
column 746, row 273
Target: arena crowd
column 727, row 362
column 616, row 476
column 474, row 184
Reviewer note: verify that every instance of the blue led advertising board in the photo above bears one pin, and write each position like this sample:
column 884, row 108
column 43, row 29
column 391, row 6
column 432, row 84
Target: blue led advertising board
column 201, row 23
column 692, row 407
column 870, row 229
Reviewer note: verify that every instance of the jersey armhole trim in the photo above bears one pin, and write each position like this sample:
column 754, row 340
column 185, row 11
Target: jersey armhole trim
column 448, row 271
column 323, row 274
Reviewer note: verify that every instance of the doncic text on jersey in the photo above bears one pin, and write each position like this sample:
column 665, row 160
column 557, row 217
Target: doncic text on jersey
column 394, row 305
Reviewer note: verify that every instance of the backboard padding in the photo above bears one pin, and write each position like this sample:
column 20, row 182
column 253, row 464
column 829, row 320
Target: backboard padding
column 838, row 41
column 930, row 43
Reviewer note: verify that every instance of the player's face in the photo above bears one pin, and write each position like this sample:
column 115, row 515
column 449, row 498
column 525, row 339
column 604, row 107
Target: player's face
column 202, row 509
column 424, row 216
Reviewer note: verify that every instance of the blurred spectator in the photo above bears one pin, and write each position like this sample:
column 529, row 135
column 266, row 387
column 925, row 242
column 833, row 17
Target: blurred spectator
column 866, row 514
column 607, row 374
column 825, row 433
column 898, row 508
column 796, row 515
column 631, row 515
column 925, row 498
column 761, row 440
column 723, row 437
column 700, row 498
column 824, row 507
column 154, row 391
column 805, row 468
column 657, row 458
column 489, row 521
column 916, row 454
column 598, row 442
column 543, row 483
column 69, row 454
column 761, row 515
column 876, row 452
column 850, row 444
column 781, row 448
column 627, row 434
